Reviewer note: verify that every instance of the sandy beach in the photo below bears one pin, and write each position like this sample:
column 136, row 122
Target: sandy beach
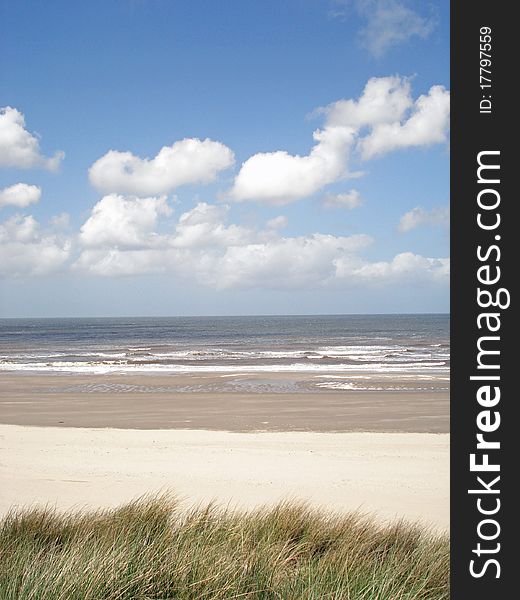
column 243, row 440
column 389, row 475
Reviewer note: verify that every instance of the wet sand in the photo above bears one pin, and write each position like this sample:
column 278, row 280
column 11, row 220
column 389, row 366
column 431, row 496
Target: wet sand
column 238, row 402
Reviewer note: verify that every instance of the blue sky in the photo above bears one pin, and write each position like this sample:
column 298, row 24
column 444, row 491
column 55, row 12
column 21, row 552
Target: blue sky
column 244, row 212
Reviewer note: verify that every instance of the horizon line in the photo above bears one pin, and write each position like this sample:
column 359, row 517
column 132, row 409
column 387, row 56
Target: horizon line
column 375, row 314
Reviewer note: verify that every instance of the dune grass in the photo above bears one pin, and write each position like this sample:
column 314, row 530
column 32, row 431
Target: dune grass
column 151, row 549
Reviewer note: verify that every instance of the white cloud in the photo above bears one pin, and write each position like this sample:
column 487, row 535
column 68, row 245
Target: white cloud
column 19, row 228
column 124, row 221
column 279, row 178
column 387, row 118
column 18, row 147
column 204, row 226
column 203, row 247
column 384, row 118
column 120, row 238
column 20, row 195
column 61, row 221
column 186, row 161
column 427, row 125
column 278, row 222
column 348, row 200
column 404, row 267
column 420, row 216
column 283, row 263
column 384, row 100
column 113, row 262
column 389, row 23
column 26, row 251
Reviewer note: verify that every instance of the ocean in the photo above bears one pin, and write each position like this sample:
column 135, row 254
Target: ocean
column 417, row 344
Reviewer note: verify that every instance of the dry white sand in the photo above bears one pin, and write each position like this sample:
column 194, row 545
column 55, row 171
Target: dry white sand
column 386, row 474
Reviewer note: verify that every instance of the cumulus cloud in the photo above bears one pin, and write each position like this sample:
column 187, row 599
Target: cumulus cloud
column 280, row 263
column 20, row 195
column 279, row 178
column 387, row 118
column 348, row 200
column 384, row 100
column 404, row 267
column 204, row 226
column 387, row 23
column 124, row 221
column 114, row 262
column 27, row 251
column 427, row 125
column 420, row 216
column 384, row 118
column 121, row 238
column 204, row 247
column 19, row 228
column 18, row 147
column 186, row 161
column 283, row 263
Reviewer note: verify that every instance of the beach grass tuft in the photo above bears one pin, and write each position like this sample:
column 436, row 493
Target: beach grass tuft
column 151, row 549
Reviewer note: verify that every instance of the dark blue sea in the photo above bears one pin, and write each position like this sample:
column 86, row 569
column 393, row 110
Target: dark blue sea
column 339, row 343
